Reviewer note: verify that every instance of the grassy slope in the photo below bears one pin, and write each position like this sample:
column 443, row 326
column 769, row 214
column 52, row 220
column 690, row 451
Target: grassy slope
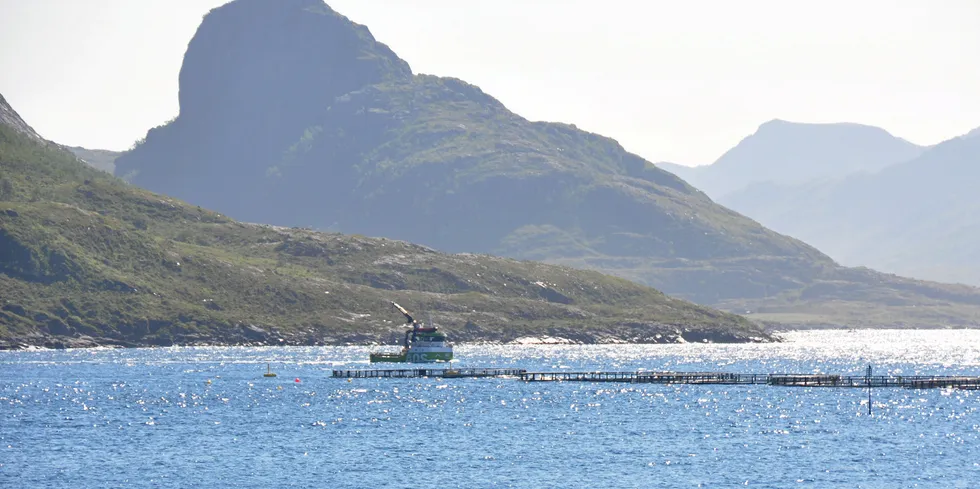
column 451, row 156
column 671, row 236
column 82, row 253
column 432, row 125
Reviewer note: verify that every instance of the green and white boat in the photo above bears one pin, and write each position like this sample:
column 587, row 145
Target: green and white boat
column 423, row 344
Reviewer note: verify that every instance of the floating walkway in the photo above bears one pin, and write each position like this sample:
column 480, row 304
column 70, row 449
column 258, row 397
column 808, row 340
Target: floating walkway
column 406, row 373
column 644, row 377
column 788, row 380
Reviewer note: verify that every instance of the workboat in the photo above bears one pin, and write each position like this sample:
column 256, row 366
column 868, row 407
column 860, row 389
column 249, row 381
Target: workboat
column 423, row 344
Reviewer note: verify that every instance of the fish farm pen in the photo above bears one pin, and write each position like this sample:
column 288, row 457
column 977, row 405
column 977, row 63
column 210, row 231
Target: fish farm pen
column 644, row 377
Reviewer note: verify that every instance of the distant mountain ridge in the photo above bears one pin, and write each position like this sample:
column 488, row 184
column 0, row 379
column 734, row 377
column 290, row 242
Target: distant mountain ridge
column 783, row 152
column 313, row 122
column 869, row 205
column 918, row 218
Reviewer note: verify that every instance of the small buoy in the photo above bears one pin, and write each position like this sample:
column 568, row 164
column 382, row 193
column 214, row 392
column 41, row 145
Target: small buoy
column 348, row 380
column 208, row 382
column 278, row 387
column 268, row 371
column 297, row 379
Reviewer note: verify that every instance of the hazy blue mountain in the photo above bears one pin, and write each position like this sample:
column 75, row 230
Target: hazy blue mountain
column 290, row 114
column 794, row 153
column 920, row 218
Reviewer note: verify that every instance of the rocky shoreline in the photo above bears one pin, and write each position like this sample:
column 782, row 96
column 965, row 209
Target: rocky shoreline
column 251, row 335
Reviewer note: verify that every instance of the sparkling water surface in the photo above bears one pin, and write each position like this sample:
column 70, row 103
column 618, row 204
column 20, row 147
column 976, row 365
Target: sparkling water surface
column 205, row 417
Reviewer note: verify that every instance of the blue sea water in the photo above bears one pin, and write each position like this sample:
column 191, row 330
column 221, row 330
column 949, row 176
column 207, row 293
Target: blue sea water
column 205, row 417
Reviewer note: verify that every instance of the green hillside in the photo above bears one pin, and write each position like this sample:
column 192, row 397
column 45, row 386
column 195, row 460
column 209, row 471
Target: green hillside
column 87, row 259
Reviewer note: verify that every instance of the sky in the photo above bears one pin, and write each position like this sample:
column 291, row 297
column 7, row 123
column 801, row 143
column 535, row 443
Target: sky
column 678, row 81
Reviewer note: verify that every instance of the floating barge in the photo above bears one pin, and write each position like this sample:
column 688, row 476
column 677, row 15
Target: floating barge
column 717, row 378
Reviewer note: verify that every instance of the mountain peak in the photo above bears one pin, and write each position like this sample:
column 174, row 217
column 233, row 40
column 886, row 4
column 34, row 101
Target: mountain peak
column 782, row 151
column 820, row 127
column 775, row 123
column 10, row 117
column 256, row 75
column 279, row 56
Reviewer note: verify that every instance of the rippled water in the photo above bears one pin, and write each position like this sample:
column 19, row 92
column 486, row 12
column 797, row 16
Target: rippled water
column 205, row 417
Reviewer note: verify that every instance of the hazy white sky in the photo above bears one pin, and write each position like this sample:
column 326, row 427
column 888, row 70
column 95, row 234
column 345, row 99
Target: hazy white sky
column 672, row 80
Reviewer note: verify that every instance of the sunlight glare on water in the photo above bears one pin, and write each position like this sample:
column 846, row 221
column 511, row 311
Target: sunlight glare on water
column 205, row 417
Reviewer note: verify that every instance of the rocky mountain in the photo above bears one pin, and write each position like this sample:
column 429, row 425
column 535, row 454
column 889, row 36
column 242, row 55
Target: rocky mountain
column 10, row 118
column 920, row 218
column 86, row 259
column 292, row 115
column 782, row 152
